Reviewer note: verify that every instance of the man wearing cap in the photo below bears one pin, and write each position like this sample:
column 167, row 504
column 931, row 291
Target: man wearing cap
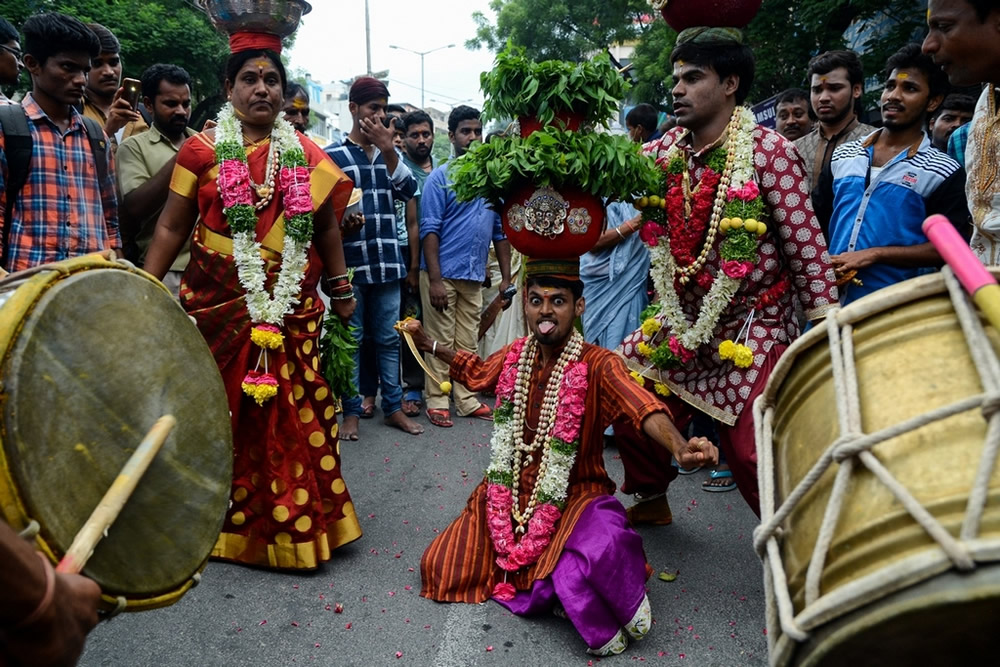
column 727, row 266
column 574, row 554
column 369, row 158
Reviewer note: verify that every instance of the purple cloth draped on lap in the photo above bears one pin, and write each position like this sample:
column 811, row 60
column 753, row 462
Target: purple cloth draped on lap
column 600, row 578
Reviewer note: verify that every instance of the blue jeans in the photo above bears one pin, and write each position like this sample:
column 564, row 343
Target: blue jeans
column 376, row 313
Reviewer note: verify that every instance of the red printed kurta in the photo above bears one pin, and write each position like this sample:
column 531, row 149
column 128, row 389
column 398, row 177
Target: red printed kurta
column 459, row 565
column 793, row 250
column 290, row 505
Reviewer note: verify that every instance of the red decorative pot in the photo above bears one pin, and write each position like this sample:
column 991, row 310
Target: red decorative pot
column 682, row 14
column 545, row 222
column 564, row 120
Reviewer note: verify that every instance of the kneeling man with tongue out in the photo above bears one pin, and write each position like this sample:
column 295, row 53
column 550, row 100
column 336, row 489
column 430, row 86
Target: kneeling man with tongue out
column 543, row 531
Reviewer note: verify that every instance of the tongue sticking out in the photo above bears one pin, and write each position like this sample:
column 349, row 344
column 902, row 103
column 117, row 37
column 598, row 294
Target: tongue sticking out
column 545, row 328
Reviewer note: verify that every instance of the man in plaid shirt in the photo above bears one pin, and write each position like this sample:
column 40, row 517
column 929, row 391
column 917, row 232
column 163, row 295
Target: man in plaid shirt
column 369, row 158
column 65, row 208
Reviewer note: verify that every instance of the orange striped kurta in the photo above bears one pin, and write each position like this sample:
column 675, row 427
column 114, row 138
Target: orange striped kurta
column 459, row 565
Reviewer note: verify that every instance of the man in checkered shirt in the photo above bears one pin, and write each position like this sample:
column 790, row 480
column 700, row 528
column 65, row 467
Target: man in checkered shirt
column 67, row 206
column 370, row 159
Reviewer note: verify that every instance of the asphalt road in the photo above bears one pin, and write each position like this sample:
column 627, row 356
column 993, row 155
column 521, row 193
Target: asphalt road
column 405, row 489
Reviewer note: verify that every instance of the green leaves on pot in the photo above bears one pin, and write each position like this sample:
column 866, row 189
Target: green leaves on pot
column 518, row 86
column 607, row 166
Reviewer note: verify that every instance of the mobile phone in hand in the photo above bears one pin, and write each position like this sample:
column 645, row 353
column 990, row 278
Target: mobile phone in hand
column 131, row 93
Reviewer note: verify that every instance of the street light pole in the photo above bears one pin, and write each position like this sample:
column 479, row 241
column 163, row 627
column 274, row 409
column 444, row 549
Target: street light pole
column 421, row 54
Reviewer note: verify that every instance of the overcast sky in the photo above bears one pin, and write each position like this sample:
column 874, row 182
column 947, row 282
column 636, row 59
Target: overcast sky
column 330, row 45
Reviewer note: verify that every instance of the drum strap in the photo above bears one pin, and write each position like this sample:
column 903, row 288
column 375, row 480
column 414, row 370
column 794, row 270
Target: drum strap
column 17, row 148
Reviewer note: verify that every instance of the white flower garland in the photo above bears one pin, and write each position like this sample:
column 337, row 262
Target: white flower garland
column 264, row 307
column 506, row 444
column 724, row 288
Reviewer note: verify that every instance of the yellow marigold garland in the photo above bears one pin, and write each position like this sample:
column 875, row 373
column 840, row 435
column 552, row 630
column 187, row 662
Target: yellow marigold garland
column 743, row 357
column 661, row 389
column 638, row 378
column 267, row 336
column 260, row 386
column 650, row 327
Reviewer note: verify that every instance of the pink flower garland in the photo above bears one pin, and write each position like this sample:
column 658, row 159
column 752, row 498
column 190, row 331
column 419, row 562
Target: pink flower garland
column 504, row 591
column 572, row 396
column 513, row 554
column 541, row 527
column 499, row 502
column 651, row 232
column 233, row 183
column 508, row 376
column 679, row 351
column 296, row 193
column 747, row 193
column 736, row 269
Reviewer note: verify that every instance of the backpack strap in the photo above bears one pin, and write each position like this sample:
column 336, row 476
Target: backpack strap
column 17, row 147
column 98, row 146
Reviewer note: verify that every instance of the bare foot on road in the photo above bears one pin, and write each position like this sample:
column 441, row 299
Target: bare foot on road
column 349, row 429
column 404, row 423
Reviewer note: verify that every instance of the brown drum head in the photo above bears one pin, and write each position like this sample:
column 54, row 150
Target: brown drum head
column 102, row 355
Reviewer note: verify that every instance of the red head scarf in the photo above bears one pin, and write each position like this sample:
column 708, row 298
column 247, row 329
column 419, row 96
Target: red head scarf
column 366, row 89
column 254, row 41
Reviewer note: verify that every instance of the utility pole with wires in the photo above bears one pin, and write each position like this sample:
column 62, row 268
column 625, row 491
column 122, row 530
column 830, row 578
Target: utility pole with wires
column 368, row 39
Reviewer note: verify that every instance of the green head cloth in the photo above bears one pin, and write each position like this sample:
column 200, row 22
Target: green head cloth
column 707, row 35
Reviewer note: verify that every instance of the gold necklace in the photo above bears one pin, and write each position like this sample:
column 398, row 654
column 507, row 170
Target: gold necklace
column 264, row 191
column 986, row 173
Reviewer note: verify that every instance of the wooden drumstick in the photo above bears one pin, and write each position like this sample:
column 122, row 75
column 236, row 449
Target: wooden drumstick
column 117, row 495
column 400, row 326
column 976, row 280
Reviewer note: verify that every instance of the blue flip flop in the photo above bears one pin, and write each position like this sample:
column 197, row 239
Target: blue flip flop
column 720, row 474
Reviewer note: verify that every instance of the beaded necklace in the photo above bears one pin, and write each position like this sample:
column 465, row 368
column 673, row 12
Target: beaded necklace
column 557, row 436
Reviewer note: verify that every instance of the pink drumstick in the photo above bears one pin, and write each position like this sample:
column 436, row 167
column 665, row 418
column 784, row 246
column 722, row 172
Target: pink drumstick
column 974, row 277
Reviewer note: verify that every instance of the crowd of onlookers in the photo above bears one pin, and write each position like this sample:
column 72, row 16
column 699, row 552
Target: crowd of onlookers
column 87, row 162
column 87, row 158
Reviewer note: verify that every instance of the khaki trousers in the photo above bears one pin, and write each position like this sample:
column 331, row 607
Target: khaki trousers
column 457, row 327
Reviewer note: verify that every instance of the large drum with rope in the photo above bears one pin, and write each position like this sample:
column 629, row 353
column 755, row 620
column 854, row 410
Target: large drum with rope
column 93, row 353
column 877, row 439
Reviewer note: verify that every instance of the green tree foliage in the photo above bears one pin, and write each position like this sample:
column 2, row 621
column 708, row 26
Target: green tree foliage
column 651, row 65
column 560, row 29
column 150, row 31
column 784, row 36
column 787, row 33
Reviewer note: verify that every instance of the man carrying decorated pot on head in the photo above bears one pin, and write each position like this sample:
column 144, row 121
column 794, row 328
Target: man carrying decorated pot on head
column 736, row 243
column 543, row 531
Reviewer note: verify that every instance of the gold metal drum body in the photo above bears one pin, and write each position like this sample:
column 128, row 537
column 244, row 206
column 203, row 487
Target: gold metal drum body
column 888, row 594
column 93, row 353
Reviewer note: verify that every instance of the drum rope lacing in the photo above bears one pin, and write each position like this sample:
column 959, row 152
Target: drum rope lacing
column 852, row 446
